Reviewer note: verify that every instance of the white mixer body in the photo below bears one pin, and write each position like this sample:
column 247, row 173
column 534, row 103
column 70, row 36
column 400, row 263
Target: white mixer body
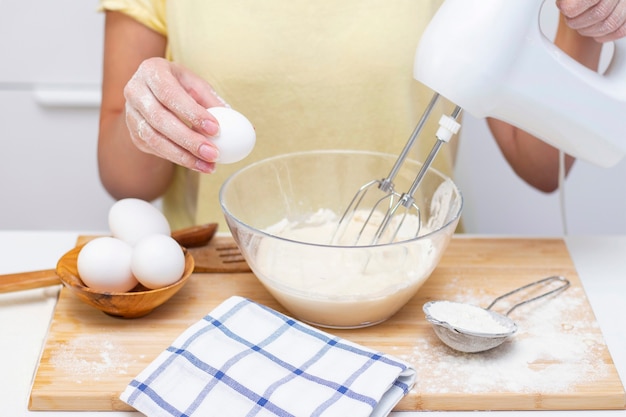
column 491, row 58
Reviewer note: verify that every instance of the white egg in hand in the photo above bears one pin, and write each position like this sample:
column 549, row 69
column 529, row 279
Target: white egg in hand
column 236, row 137
column 132, row 219
column 157, row 261
column 104, row 265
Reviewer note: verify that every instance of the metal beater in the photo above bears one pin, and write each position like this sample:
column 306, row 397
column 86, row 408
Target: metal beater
column 392, row 201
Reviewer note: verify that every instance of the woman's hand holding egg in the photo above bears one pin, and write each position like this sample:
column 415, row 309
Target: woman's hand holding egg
column 166, row 116
column 141, row 249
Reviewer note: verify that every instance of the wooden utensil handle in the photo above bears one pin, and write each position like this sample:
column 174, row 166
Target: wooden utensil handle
column 195, row 236
column 28, row 280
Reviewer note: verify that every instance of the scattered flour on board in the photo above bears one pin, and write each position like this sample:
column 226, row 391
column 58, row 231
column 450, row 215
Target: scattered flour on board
column 557, row 346
column 91, row 358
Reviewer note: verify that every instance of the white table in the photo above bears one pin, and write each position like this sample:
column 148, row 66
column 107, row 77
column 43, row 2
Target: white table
column 25, row 316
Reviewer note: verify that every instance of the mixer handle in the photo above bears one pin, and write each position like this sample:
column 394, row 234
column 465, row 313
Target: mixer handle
column 615, row 73
column 612, row 81
column 491, row 58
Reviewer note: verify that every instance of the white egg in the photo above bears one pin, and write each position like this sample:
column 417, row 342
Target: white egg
column 132, row 219
column 104, row 265
column 157, row 261
column 236, row 137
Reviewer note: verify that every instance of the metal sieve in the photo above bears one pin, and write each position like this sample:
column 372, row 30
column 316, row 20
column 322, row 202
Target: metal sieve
column 466, row 338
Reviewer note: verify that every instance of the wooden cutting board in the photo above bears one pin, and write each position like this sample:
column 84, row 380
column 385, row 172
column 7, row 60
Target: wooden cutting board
column 557, row 361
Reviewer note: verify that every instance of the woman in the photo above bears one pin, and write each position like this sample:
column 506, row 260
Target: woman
column 309, row 75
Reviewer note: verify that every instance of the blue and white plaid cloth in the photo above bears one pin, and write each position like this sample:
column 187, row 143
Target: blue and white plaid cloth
column 245, row 359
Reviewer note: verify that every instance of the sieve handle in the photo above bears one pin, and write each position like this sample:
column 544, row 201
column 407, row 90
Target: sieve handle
column 564, row 286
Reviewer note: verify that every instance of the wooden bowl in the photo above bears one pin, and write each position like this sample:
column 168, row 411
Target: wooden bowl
column 129, row 305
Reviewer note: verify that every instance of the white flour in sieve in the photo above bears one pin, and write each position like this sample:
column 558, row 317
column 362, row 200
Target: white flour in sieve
column 467, row 317
column 557, row 346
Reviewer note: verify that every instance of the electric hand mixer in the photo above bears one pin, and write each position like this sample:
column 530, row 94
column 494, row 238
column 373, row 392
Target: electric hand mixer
column 491, row 59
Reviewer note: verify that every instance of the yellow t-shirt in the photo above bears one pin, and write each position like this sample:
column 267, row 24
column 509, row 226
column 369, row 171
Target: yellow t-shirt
column 322, row 74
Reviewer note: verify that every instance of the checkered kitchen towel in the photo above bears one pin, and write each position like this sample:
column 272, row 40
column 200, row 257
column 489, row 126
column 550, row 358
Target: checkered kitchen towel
column 245, row 359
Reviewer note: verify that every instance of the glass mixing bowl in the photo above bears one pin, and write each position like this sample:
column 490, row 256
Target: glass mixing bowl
column 284, row 211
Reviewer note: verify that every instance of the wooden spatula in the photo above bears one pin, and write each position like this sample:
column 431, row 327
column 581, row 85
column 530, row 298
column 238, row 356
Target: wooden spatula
column 212, row 257
column 220, row 255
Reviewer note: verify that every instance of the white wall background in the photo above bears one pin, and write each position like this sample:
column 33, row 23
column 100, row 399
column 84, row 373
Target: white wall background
column 49, row 83
column 50, row 74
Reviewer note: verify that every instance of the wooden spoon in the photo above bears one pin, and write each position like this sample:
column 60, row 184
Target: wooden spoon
column 194, row 236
